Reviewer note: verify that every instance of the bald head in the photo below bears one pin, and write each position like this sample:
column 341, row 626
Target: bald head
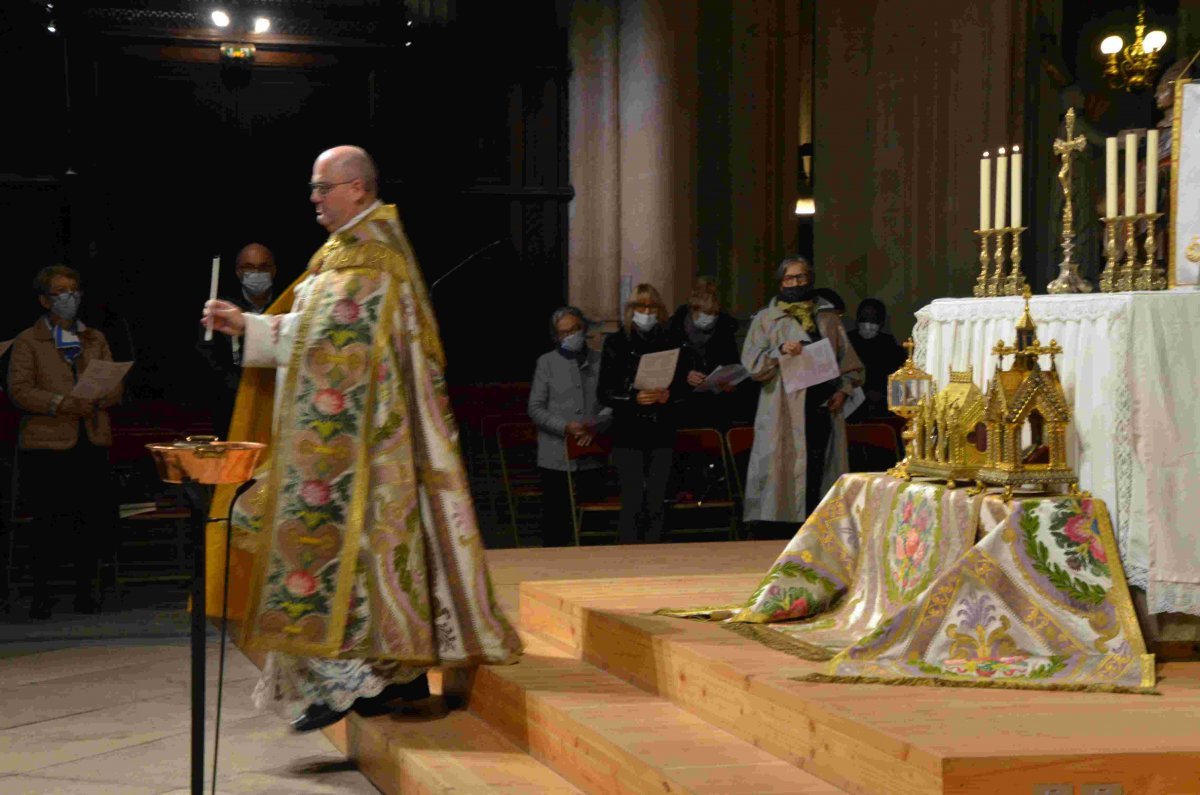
column 344, row 183
column 255, row 256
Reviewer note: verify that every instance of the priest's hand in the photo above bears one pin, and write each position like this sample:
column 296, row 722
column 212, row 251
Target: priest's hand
column 836, row 402
column 224, row 317
column 791, row 348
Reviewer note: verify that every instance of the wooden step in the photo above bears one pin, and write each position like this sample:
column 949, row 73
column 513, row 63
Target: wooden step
column 606, row 736
column 870, row 738
column 454, row 753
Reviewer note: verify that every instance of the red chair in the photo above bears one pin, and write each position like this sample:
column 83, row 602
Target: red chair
column 873, row 446
column 739, row 442
column 517, row 442
column 600, row 448
column 704, row 479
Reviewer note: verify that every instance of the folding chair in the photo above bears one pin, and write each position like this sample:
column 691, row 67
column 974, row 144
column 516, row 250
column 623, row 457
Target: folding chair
column 704, row 481
column 517, row 442
column 873, row 446
column 601, row 447
column 739, row 442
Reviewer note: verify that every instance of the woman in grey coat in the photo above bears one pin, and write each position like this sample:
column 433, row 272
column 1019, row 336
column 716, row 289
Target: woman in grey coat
column 562, row 402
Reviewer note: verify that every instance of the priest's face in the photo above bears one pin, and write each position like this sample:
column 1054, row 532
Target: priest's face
column 337, row 199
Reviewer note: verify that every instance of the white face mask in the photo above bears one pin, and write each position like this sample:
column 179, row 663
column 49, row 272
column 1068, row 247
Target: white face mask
column 573, row 342
column 66, row 305
column 704, row 321
column 868, row 330
column 645, row 320
column 256, row 282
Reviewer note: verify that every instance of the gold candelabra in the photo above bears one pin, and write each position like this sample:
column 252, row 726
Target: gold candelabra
column 1123, row 270
column 1000, row 281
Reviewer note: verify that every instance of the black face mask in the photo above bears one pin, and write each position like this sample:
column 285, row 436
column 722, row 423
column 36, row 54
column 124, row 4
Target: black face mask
column 791, row 295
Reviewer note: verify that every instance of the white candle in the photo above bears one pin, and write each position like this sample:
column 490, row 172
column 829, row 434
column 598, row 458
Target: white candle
column 1131, row 174
column 1110, row 177
column 985, row 192
column 1016, row 186
column 212, row 293
column 1001, row 190
column 1152, row 171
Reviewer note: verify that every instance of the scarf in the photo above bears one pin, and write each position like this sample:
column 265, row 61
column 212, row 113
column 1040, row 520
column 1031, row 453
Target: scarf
column 802, row 311
column 67, row 343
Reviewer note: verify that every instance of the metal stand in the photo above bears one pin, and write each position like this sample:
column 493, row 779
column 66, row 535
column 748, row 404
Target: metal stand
column 198, row 501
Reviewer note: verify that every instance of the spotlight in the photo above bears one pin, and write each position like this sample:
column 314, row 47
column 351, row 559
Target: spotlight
column 408, row 24
column 220, row 19
column 52, row 28
column 408, row 44
column 262, row 24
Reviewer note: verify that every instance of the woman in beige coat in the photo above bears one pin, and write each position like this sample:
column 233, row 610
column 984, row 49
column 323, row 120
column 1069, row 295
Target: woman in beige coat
column 799, row 439
column 62, row 459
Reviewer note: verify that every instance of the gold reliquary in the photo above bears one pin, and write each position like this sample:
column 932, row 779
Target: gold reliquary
column 1026, row 414
column 1014, row 434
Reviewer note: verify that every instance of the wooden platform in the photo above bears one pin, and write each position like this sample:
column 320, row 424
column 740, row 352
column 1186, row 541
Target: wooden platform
column 609, row 699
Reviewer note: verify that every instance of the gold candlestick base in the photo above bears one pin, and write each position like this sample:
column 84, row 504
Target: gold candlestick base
column 1068, row 281
column 1150, row 276
column 1125, row 275
column 985, row 261
column 1015, row 284
column 996, row 281
column 1108, row 279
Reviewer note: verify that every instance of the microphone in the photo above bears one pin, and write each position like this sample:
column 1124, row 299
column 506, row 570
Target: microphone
column 442, row 278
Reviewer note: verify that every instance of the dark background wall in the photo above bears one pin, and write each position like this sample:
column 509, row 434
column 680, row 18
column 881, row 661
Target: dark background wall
column 134, row 154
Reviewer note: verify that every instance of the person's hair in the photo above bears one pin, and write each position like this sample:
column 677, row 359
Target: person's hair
column 781, row 271
column 357, row 164
column 704, row 297
column 41, row 282
column 832, row 297
column 874, row 303
column 641, row 293
column 564, row 311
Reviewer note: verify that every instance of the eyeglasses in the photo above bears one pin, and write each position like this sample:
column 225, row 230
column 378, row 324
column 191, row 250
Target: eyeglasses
column 797, row 278
column 645, row 307
column 323, row 188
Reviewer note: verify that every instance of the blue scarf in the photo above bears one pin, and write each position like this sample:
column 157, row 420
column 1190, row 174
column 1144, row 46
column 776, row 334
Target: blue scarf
column 67, row 343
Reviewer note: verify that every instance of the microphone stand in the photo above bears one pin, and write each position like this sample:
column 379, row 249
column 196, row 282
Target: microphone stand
column 442, row 278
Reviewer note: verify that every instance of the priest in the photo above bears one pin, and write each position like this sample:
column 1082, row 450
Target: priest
column 367, row 565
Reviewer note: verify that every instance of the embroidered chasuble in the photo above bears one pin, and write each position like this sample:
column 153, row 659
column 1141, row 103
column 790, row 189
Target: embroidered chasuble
column 360, row 538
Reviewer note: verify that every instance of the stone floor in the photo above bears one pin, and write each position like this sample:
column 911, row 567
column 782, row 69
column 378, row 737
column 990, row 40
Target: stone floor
column 110, row 716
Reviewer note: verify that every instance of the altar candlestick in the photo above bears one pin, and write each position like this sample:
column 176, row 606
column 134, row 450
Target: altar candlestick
column 985, row 193
column 1151, row 171
column 1110, row 177
column 1001, row 189
column 212, row 294
column 1016, row 186
column 1131, row 174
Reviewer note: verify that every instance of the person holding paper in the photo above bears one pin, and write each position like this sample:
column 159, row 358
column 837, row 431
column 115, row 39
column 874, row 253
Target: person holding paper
column 707, row 336
column 368, row 567
column 562, row 403
column 62, row 457
column 644, row 420
column 800, row 436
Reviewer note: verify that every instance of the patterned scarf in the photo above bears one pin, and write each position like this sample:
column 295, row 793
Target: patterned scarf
column 803, row 311
column 67, row 343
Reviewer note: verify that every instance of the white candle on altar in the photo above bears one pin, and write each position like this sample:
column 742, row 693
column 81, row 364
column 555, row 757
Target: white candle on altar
column 1110, row 177
column 985, row 193
column 1131, row 174
column 1151, row 171
column 1001, row 189
column 1016, row 186
column 212, row 293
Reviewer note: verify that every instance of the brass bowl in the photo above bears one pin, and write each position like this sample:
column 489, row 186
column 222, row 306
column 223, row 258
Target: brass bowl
column 204, row 459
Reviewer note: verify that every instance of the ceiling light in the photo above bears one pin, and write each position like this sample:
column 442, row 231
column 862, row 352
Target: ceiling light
column 262, row 25
column 220, row 19
column 806, row 207
column 1112, row 45
column 1155, row 40
column 51, row 28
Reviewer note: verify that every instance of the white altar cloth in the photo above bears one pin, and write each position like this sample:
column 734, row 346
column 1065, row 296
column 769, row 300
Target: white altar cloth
column 1131, row 370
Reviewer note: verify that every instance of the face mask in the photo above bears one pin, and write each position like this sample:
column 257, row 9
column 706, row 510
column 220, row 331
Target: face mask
column 868, row 330
column 704, row 321
column 573, row 342
column 66, row 305
column 645, row 320
column 256, row 282
column 793, row 294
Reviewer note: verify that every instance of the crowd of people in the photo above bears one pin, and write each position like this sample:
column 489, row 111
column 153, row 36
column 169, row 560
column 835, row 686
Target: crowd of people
column 800, row 444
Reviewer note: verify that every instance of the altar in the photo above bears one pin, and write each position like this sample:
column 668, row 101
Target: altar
column 1131, row 371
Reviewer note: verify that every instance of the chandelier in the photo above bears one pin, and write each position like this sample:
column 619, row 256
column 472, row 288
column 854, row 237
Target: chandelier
column 1133, row 68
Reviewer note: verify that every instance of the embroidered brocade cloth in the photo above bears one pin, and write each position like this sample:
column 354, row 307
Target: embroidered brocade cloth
column 889, row 580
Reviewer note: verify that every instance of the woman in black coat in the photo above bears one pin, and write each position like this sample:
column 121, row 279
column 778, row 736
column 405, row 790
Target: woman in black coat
column 644, row 421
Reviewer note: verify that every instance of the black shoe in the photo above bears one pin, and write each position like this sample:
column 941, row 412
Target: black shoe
column 416, row 690
column 317, row 716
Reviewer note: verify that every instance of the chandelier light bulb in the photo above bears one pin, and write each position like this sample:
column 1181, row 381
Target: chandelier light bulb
column 220, row 19
column 52, row 28
column 1155, row 40
column 262, row 24
column 1111, row 45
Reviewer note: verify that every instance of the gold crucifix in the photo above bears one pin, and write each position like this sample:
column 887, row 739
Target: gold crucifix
column 1068, row 280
